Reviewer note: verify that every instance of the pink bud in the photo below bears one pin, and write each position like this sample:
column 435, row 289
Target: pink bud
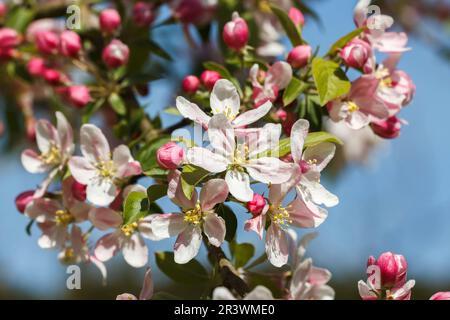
column 109, row 20
column 23, row 199
column 356, row 53
column 297, row 17
column 9, row 38
column 387, row 129
column 143, row 14
column 235, row 33
column 299, row 56
column 193, row 11
column 282, row 114
column 79, row 96
column 47, row 42
column 3, row 9
column 209, row 78
column 79, row 191
column 393, row 268
column 70, row 43
column 36, row 66
column 371, row 261
column 403, row 84
column 190, row 84
column 256, row 205
column 116, row 54
column 441, row 296
column 52, row 76
column 170, row 156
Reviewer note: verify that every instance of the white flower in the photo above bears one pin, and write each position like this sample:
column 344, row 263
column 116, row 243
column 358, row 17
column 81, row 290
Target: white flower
column 259, row 293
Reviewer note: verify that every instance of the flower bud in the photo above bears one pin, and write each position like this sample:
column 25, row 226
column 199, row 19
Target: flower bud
column 36, row 67
column 256, row 205
column 235, row 33
column 47, row 42
column 441, row 296
column 70, row 43
column 79, row 190
column 143, row 14
column 23, row 199
column 9, row 38
column 356, row 53
column 393, row 268
column 190, row 84
column 299, row 56
column 78, row 96
column 52, row 76
column 209, row 78
column 116, row 54
column 403, row 84
column 297, row 17
column 170, row 156
column 109, row 20
column 387, row 129
column 193, row 11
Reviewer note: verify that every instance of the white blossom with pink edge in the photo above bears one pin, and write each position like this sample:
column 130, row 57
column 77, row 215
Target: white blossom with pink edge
column 197, row 215
column 240, row 160
column 225, row 100
column 367, row 291
column 97, row 169
column 146, row 291
column 56, row 147
column 266, row 89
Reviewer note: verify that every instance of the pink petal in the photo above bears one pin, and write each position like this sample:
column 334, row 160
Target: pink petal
column 277, row 246
column 105, row 218
column 215, row 191
column 175, row 191
column 279, row 75
column 32, row 162
column 65, row 134
column 299, row 133
column 107, row 246
column 192, row 111
column 214, row 228
column 270, row 170
column 187, row 245
column 207, row 160
column 124, row 162
column 94, row 146
column 147, row 287
column 167, row 225
column 135, row 251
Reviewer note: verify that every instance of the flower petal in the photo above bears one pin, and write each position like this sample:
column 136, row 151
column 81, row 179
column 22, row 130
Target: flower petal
column 256, row 224
column 320, row 155
column 175, row 191
column 187, row 245
column 222, row 293
column 42, row 209
column 215, row 191
column 221, row 136
column 126, row 296
column 82, row 170
column 105, row 218
column 299, row 133
column 279, row 75
column 225, row 99
column 207, row 160
column 305, row 214
column 277, row 246
column 46, row 136
column 32, row 162
column 259, row 293
column 107, row 246
column 214, row 228
column 270, row 170
column 65, row 133
column 239, row 185
column 135, row 251
column 252, row 116
column 94, row 145
column 167, row 225
column 101, row 192
column 124, row 162
column 147, row 286
column 192, row 111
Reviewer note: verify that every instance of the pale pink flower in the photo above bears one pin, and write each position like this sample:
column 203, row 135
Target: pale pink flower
column 197, row 216
column 259, row 293
column 224, row 100
column 240, row 160
column 441, row 296
column 367, row 291
column 98, row 169
column 276, row 79
column 146, row 291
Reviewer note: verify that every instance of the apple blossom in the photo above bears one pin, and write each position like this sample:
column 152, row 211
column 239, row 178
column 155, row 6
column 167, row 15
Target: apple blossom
column 256, row 205
column 79, row 191
column 393, row 268
column 299, row 56
column 235, row 33
column 296, row 16
column 441, row 296
column 78, row 96
column 9, row 38
column 356, row 53
column 70, row 43
column 36, row 66
column 146, row 291
column 277, row 78
column 387, row 129
column 53, row 76
column 170, row 156
column 143, row 14
column 209, row 78
column 115, row 54
column 109, row 20
column 47, row 42
column 197, row 216
column 259, row 293
column 97, row 169
column 193, row 11
column 190, row 84
column 23, row 199
column 3, row 9
column 239, row 160
column 224, row 100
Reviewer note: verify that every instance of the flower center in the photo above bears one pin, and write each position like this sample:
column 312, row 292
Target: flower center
column 280, row 215
column 194, row 216
column 264, row 6
column 228, row 112
column 68, row 255
column 106, row 169
column 129, row 229
column 63, row 218
column 52, row 156
column 352, row 107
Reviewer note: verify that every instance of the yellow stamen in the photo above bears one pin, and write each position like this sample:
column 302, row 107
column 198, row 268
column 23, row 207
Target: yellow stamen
column 129, row 229
column 264, row 6
column 106, row 169
column 352, row 107
column 194, row 216
column 63, row 218
column 52, row 156
column 68, row 255
column 279, row 215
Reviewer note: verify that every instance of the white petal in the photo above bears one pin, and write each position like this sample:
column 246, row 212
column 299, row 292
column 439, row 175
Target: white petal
column 192, row 111
column 252, row 116
column 94, row 145
column 42, row 209
column 107, row 246
column 214, row 228
column 365, row 291
column 221, row 136
column 207, row 160
column 320, row 155
column 320, row 195
column 277, row 192
column 101, row 192
column 167, row 225
column 124, row 162
column 187, row 245
column 259, row 293
column 239, row 185
column 32, row 162
column 135, row 251
column 82, row 170
column 270, row 170
column 277, row 246
column 46, row 135
column 222, row 293
column 65, row 133
column 105, row 218
column 225, row 98
column 299, row 133
column 215, row 191
column 279, row 74
column 305, row 214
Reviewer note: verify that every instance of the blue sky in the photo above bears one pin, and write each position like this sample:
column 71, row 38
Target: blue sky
column 400, row 203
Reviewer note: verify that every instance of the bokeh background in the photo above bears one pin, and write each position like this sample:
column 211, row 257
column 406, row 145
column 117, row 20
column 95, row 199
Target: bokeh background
column 399, row 201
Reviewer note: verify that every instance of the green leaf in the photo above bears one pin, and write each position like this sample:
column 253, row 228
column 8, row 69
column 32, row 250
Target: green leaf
column 191, row 176
column 117, row 104
column 283, row 148
column 292, row 31
column 344, row 40
column 330, row 80
column 156, row 191
column 19, row 18
column 190, row 273
column 293, row 90
column 224, row 73
column 133, row 208
column 230, row 221
column 173, row 111
column 315, row 138
column 242, row 253
column 156, row 172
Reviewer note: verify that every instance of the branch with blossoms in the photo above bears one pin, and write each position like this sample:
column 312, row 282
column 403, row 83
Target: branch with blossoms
column 268, row 117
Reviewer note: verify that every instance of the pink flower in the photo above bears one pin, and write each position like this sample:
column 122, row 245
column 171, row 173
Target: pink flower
column 3, row 9
column 235, row 33
column 441, row 296
column 53, row 76
column 47, row 42
column 296, row 16
column 170, row 156
column 190, row 84
column 224, row 99
column 193, row 11
column 393, row 269
column 70, row 43
column 356, row 53
column 143, row 14
column 79, row 96
column 403, row 84
column 256, row 205
column 36, row 66
column 146, row 291
column 277, row 78
column 209, row 78
column 97, row 169
column 198, row 216
column 9, row 38
column 116, row 54
column 368, row 292
column 299, row 56
column 23, row 199
column 44, row 25
column 387, row 129
column 109, row 20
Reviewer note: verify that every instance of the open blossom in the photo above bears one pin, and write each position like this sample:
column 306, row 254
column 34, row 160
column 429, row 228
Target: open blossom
column 224, row 100
column 197, row 216
column 239, row 160
column 235, row 33
column 100, row 170
column 277, row 78
column 146, row 291
column 259, row 293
